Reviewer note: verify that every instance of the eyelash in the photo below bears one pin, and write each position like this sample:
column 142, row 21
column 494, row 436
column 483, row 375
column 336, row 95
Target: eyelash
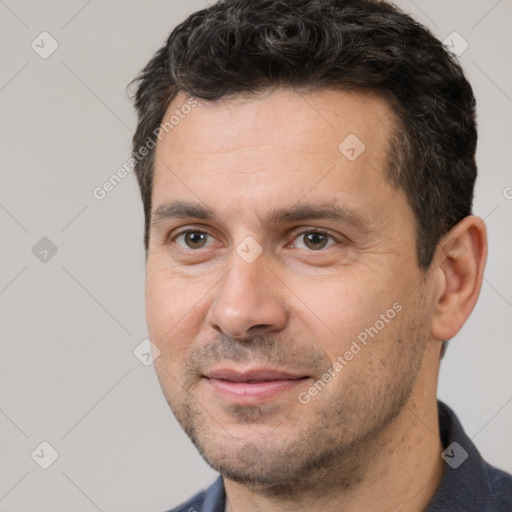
column 172, row 239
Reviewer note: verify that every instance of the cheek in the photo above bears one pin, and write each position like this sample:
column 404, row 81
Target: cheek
column 340, row 307
column 362, row 314
column 175, row 310
column 166, row 302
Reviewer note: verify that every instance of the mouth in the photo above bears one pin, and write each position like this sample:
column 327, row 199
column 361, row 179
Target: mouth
column 252, row 386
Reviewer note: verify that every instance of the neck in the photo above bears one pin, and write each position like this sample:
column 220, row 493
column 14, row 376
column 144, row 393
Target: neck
column 399, row 469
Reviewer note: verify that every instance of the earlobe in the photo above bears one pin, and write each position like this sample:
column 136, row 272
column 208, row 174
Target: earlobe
column 462, row 254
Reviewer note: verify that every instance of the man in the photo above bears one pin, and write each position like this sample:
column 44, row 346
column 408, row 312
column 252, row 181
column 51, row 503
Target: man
column 307, row 173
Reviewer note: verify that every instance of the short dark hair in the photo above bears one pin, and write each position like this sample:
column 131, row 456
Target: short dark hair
column 241, row 47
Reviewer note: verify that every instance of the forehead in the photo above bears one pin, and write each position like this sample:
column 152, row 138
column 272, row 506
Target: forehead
column 314, row 120
column 276, row 147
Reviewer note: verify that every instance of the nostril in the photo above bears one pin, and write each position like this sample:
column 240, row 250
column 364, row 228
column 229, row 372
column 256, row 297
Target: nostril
column 259, row 326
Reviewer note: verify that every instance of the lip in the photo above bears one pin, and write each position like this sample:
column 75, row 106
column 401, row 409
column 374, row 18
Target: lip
column 252, row 386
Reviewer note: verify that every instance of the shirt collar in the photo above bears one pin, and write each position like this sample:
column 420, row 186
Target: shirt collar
column 465, row 484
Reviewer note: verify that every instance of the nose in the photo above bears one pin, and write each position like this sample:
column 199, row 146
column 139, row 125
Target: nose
column 248, row 300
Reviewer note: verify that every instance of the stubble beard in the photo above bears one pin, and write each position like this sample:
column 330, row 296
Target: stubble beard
column 328, row 443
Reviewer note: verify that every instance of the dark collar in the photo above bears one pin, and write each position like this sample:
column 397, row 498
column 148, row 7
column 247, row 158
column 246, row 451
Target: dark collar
column 469, row 484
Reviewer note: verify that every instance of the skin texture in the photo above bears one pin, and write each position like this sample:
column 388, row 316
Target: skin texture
column 368, row 439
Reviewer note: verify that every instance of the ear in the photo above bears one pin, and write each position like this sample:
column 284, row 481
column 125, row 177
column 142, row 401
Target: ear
column 461, row 254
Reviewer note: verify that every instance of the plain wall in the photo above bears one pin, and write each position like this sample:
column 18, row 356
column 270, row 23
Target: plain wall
column 70, row 324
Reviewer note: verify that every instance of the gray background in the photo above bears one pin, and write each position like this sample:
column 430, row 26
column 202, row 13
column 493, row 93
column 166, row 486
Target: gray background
column 70, row 324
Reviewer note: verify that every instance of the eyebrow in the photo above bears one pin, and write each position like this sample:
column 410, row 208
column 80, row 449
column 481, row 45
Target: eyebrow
column 299, row 212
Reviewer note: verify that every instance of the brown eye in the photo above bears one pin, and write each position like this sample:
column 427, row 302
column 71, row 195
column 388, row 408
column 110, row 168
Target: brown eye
column 314, row 240
column 192, row 239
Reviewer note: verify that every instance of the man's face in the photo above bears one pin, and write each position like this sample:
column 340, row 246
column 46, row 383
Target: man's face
column 274, row 254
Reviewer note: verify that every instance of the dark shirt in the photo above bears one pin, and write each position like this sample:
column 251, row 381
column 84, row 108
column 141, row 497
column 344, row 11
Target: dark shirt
column 468, row 484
